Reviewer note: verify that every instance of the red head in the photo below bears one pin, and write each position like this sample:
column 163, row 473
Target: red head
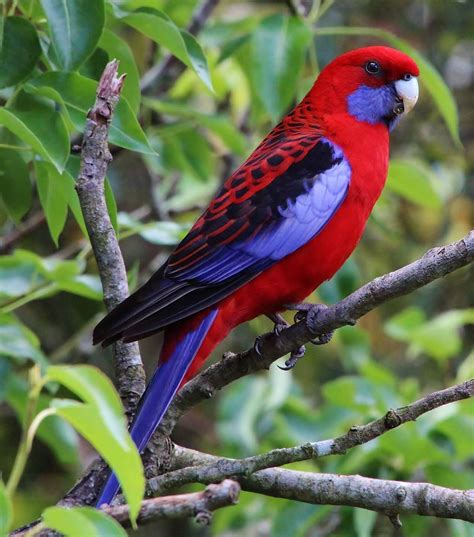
column 372, row 84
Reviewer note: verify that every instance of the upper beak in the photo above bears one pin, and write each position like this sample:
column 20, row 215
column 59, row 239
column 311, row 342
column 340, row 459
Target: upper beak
column 408, row 92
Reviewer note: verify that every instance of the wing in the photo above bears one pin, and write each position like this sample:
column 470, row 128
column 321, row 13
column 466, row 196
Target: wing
column 277, row 201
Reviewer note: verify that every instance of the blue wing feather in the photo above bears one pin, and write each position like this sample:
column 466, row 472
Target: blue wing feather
column 299, row 221
column 232, row 244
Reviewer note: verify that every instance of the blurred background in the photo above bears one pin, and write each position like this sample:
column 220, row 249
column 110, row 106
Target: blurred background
column 263, row 57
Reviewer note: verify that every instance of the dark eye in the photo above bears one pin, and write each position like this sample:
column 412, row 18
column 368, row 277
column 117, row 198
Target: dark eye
column 372, row 67
column 407, row 77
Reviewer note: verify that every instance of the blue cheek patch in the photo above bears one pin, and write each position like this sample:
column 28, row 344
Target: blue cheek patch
column 373, row 105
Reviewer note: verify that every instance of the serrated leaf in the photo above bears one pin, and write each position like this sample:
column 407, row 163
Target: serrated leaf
column 36, row 121
column 75, row 28
column 160, row 28
column 78, row 93
column 19, row 50
column 81, row 521
column 101, row 421
column 15, row 184
column 412, row 181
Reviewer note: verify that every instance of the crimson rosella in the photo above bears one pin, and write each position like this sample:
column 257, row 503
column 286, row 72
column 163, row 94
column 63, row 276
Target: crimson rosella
column 282, row 224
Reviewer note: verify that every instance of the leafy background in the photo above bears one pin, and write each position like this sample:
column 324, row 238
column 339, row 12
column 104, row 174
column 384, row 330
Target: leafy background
column 172, row 147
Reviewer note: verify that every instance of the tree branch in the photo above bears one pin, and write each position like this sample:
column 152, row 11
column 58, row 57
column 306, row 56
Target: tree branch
column 389, row 497
column 199, row 470
column 435, row 264
column 25, row 228
column 95, row 157
column 197, row 504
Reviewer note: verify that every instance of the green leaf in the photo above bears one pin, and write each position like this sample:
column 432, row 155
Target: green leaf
column 162, row 233
column 78, row 93
column 111, row 204
column 277, row 51
column 75, row 28
column 219, row 125
column 54, row 431
column 161, row 29
column 53, row 195
column 17, row 277
column 412, row 181
column 19, row 342
column 15, row 184
column 101, row 421
column 295, row 519
column 6, row 510
column 364, row 521
column 37, row 122
column 438, row 337
column 429, row 76
column 19, row 50
column 197, row 59
column 86, row 285
column 80, row 521
column 116, row 47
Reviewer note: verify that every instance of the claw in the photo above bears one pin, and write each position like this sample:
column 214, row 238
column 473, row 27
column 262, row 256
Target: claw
column 323, row 338
column 279, row 323
column 294, row 357
column 302, row 312
column 256, row 345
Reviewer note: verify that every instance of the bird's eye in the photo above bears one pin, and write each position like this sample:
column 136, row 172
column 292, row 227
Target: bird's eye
column 372, row 68
column 407, row 77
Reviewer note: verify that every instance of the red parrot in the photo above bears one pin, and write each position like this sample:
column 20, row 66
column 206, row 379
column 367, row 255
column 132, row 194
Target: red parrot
column 281, row 225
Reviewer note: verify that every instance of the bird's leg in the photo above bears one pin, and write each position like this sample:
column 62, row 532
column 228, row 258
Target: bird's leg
column 279, row 325
column 302, row 310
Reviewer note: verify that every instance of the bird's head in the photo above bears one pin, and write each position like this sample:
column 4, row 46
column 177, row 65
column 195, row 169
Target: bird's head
column 373, row 84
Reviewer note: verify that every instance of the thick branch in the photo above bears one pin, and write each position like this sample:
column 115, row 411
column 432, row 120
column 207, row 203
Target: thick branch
column 435, row 264
column 389, row 497
column 197, row 504
column 198, row 470
column 95, row 157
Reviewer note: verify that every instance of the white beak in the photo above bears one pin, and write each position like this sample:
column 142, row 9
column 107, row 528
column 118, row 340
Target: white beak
column 408, row 91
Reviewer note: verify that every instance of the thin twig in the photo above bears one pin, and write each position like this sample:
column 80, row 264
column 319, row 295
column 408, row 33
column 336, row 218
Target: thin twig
column 163, row 75
column 25, row 228
column 198, row 504
column 200, row 471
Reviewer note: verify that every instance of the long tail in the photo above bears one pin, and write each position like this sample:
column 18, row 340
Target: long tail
column 161, row 390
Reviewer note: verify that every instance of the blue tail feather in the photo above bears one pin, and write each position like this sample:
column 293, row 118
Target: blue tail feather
column 159, row 394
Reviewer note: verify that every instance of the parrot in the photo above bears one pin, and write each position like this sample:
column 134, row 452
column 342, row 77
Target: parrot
column 282, row 224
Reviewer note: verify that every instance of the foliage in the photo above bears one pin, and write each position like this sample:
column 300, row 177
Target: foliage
column 243, row 72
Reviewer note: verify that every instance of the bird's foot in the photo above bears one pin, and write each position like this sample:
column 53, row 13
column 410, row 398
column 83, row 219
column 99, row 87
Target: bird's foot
column 279, row 322
column 303, row 311
column 279, row 325
column 294, row 357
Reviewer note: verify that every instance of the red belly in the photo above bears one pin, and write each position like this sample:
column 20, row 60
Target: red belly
column 290, row 280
